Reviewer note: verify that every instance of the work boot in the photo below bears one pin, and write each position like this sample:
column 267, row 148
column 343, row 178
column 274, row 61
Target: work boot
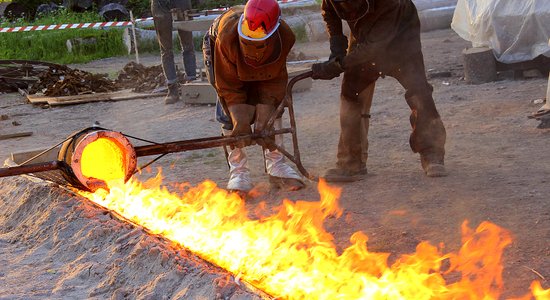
column 173, row 95
column 281, row 175
column 344, row 175
column 433, row 165
column 350, row 165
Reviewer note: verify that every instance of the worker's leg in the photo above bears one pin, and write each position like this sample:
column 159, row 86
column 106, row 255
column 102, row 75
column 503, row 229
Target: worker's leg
column 162, row 18
column 428, row 133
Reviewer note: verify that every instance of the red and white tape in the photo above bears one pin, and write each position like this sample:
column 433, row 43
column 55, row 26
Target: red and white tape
column 70, row 26
column 64, row 26
column 98, row 24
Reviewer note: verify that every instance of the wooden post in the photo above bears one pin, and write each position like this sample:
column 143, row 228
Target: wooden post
column 134, row 35
column 479, row 65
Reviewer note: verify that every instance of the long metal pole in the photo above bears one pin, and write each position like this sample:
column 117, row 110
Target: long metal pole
column 30, row 168
column 203, row 143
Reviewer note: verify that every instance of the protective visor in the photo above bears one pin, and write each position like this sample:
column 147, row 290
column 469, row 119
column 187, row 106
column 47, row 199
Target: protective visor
column 259, row 34
column 350, row 10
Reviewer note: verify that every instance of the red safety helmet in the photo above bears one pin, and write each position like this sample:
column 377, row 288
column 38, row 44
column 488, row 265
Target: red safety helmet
column 260, row 20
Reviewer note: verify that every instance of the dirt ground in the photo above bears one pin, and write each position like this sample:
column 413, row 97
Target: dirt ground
column 496, row 157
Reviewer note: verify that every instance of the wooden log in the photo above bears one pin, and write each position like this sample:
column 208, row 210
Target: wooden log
column 15, row 135
column 479, row 65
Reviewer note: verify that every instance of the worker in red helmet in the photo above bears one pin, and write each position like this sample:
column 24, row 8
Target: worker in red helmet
column 245, row 53
column 384, row 40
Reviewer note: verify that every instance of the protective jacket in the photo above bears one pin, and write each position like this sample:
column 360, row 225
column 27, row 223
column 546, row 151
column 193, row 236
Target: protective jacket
column 236, row 81
column 382, row 39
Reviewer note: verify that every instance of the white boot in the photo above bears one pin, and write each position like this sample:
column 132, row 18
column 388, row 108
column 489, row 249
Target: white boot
column 239, row 174
column 280, row 173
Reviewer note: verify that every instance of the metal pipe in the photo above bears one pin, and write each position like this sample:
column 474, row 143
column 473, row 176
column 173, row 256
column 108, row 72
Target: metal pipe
column 202, row 143
column 30, row 168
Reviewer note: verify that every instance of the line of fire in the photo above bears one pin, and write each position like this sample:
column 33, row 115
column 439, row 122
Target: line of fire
column 286, row 252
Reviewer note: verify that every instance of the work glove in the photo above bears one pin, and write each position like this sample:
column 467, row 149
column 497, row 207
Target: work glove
column 263, row 113
column 338, row 47
column 327, row 70
column 242, row 116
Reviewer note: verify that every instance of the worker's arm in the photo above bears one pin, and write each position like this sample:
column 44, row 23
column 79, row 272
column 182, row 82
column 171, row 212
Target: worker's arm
column 333, row 22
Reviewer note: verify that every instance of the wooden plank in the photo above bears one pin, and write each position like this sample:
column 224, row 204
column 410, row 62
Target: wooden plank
column 20, row 157
column 75, row 99
column 46, row 99
column 15, row 135
column 37, row 99
column 104, row 98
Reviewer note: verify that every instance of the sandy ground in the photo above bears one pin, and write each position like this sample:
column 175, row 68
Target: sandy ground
column 495, row 155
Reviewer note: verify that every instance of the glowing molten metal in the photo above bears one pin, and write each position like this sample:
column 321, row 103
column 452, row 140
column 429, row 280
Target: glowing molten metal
column 103, row 159
column 290, row 255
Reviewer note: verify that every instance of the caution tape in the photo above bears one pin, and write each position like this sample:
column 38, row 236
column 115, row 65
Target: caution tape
column 99, row 24
column 70, row 26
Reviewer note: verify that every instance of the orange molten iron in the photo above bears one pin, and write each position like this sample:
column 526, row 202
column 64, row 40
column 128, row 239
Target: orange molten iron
column 94, row 156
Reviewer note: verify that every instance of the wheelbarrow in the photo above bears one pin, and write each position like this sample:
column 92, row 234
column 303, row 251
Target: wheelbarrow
column 69, row 163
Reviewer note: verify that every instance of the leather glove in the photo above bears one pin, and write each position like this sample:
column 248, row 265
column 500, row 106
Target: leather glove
column 327, row 70
column 338, row 47
column 263, row 113
column 242, row 116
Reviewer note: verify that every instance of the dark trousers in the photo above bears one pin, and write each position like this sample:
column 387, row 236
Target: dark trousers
column 163, row 25
column 428, row 133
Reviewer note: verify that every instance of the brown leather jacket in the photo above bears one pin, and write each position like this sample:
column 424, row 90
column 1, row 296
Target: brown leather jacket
column 387, row 36
column 237, row 82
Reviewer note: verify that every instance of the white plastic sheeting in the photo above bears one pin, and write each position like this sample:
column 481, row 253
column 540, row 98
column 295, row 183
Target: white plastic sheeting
column 516, row 30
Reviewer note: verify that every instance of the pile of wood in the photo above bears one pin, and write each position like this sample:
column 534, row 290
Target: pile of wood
column 141, row 79
column 55, row 82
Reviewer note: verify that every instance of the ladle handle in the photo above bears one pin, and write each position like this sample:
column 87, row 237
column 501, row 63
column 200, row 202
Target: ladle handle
column 30, row 168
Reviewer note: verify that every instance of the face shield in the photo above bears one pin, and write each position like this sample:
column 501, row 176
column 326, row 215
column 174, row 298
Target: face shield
column 350, row 10
column 255, row 44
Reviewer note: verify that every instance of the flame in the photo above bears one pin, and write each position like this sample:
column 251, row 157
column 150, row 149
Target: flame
column 290, row 255
column 103, row 159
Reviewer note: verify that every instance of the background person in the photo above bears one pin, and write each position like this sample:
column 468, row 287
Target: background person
column 163, row 25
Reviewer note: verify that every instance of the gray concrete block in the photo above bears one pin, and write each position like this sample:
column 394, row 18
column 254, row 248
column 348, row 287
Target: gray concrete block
column 201, row 92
